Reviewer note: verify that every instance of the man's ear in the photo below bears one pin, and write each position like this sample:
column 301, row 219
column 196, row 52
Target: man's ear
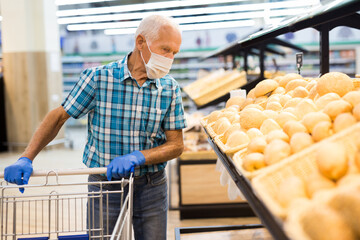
column 139, row 42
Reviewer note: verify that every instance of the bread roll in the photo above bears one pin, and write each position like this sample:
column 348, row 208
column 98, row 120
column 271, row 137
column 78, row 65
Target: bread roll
column 221, row 125
column 316, row 182
column 275, row 151
column 251, row 94
column 254, row 132
column 237, row 100
column 237, row 138
column 279, row 90
column 257, row 106
column 352, row 97
column 334, row 108
column 334, row 82
column 304, row 107
column 231, row 115
column 300, row 92
column 295, row 83
column 284, row 117
column 215, row 115
column 287, row 78
column 274, row 98
column 293, row 102
column 270, row 114
column 332, row 160
column 284, row 99
column 251, row 118
column 343, row 121
column 247, row 102
column 257, row 144
column 275, row 106
column 300, row 141
column 291, row 110
column 320, row 222
column 324, row 100
column 310, row 85
column 313, row 118
column 269, row 125
column 356, row 112
column 292, row 127
column 264, row 87
column 234, row 127
column 291, row 188
column 322, row 130
column 253, row 161
column 277, row 134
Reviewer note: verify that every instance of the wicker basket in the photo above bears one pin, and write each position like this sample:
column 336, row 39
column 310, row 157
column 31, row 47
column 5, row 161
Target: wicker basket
column 210, row 130
column 220, row 142
column 203, row 121
column 301, row 164
column 238, row 160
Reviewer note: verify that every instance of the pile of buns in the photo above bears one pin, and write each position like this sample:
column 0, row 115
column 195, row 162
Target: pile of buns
column 284, row 115
column 327, row 199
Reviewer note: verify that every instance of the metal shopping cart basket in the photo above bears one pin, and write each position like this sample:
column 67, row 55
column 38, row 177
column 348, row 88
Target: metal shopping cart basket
column 53, row 208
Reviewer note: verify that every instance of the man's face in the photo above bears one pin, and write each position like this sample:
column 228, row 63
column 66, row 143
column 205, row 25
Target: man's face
column 167, row 44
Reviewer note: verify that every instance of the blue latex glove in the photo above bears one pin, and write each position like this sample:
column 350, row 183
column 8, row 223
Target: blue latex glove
column 19, row 172
column 122, row 166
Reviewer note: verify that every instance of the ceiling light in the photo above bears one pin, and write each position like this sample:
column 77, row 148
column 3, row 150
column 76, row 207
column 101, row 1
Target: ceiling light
column 174, row 4
column 187, row 20
column 190, row 27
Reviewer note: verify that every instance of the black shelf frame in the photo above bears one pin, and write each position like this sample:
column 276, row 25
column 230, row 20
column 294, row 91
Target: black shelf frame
column 267, row 218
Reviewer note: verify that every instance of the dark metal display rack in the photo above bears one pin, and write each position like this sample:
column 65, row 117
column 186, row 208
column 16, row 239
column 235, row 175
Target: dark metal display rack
column 245, row 187
column 323, row 19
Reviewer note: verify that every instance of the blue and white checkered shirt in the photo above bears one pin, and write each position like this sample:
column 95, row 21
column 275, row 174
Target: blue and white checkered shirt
column 122, row 116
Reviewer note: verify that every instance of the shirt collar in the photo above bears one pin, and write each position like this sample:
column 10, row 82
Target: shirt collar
column 127, row 73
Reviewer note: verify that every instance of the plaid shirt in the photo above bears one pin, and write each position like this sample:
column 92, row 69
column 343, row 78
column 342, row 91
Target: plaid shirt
column 122, row 116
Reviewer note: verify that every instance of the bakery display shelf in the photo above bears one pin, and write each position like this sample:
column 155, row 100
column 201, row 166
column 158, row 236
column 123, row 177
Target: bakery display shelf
column 267, row 218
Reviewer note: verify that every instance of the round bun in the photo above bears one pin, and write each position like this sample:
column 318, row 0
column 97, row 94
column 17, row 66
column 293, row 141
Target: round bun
column 253, row 161
column 254, row 105
column 276, row 151
column 343, row 121
column 284, row 99
column 335, row 82
column 275, row 106
column 295, row 83
column 287, row 78
column 334, row 108
column 257, row 144
column 317, row 182
column 279, row 90
column 277, row 134
column 300, row 92
column 265, row 87
column 237, row 138
column 292, row 127
column 269, row 125
column 247, row 102
column 251, row 118
column 237, row 100
column 322, row 130
column 313, row 118
column 352, row 97
column 221, row 125
column 270, row 114
column 254, row 132
column 332, row 160
column 284, row 117
column 304, row 107
column 215, row 115
column 322, row 101
column 293, row 102
column 234, row 127
column 299, row 141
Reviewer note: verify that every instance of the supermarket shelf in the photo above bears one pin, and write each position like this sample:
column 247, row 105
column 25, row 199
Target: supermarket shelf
column 255, row 203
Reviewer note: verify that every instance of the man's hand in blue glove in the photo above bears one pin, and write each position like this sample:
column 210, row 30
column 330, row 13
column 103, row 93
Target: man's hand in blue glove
column 122, row 166
column 19, row 172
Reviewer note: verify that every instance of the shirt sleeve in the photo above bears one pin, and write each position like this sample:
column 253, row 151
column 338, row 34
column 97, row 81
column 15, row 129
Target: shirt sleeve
column 81, row 98
column 174, row 118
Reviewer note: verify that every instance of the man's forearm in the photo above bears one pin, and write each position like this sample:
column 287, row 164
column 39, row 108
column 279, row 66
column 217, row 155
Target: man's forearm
column 46, row 132
column 163, row 153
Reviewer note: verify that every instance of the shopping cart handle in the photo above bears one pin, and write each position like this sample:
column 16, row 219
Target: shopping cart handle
column 65, row 172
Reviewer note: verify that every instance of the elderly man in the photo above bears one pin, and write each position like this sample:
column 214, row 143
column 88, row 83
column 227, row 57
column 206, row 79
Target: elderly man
column 135, row 122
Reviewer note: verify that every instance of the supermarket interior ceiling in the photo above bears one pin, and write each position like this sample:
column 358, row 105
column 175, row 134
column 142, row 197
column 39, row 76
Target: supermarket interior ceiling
column 122, row 17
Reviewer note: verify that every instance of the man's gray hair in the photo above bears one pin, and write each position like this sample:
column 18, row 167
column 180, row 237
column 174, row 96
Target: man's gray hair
column 150, row 26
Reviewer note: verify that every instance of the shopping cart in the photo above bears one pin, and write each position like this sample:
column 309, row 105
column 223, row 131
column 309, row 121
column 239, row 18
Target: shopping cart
column 54, row 210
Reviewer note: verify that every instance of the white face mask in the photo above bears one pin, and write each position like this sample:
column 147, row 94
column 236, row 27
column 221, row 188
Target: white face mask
column 158, row 66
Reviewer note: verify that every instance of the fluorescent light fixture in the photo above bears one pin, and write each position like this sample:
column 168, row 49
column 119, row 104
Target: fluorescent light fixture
column 141, row 7
column 175, row 4
column 187, row 20
column 72, row 2
column 190, row 27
